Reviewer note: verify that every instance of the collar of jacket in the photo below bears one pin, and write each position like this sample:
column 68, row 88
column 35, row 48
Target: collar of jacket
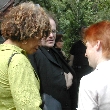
column 49, row 57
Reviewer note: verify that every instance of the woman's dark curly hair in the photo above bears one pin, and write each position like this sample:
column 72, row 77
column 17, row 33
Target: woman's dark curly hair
column 25, row 21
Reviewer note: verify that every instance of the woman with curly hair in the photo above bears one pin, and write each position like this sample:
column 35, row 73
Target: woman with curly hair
column 23, row 27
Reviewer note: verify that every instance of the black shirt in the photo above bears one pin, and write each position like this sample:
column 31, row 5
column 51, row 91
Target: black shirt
column 78, row 49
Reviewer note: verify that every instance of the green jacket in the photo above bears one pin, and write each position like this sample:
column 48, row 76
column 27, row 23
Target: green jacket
column 19, row 88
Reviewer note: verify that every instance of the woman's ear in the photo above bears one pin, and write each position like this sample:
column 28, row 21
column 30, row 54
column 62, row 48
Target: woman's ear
column 98, row 45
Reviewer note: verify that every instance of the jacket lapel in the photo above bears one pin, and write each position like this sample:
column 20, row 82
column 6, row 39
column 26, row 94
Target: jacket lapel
column 47, row 54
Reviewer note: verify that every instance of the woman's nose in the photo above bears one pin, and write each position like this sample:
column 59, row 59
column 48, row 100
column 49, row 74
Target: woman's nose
column 85, row 55
column 51, row 34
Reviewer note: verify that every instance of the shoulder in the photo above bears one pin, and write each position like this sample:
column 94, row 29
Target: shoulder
column 39, row 52
column 90, row 80
column 75, row 45
column 19, row 58
column 77, row 42
column 20, row 62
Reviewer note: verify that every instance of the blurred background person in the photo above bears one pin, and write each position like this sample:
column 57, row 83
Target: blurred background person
column 22, row 27
column 59, row 45
column 77, row 57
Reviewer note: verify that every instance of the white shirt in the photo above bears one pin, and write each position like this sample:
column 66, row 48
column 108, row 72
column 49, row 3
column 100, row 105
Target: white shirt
column 94, row 91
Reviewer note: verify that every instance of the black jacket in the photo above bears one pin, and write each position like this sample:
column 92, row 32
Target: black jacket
column 1, row 39
column 50, row 71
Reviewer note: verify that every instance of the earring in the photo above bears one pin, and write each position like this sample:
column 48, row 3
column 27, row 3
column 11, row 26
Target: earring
column 24, row 43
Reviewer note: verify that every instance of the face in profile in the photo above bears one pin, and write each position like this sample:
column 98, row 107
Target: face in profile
column 30, row 23
column 31, row 45
column 50, row 40
column 90, row 54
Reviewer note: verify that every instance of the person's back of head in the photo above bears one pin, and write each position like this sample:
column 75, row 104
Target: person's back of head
column 25, row 21
column 5, row 6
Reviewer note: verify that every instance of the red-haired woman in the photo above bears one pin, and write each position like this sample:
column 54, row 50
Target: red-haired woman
column 94, row 91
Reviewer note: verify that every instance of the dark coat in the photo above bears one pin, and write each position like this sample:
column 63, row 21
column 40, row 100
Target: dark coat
column 51, row 74
column 1, row 39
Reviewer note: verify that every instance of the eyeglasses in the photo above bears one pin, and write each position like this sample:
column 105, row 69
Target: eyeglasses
column 46, row 33
column 53, row 31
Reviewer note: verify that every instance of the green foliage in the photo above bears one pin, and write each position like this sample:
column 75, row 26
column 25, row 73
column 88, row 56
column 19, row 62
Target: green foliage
column 73, row 14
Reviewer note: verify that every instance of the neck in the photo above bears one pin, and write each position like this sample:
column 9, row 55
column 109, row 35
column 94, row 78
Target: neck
column 9, row 41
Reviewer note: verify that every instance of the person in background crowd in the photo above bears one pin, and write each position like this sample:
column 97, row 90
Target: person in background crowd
column 77, row 58
column 22, row 27
column 59, row 45
column 94, row 91
column 58, row 88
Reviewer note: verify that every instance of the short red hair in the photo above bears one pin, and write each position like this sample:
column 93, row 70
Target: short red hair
column 99, row 31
